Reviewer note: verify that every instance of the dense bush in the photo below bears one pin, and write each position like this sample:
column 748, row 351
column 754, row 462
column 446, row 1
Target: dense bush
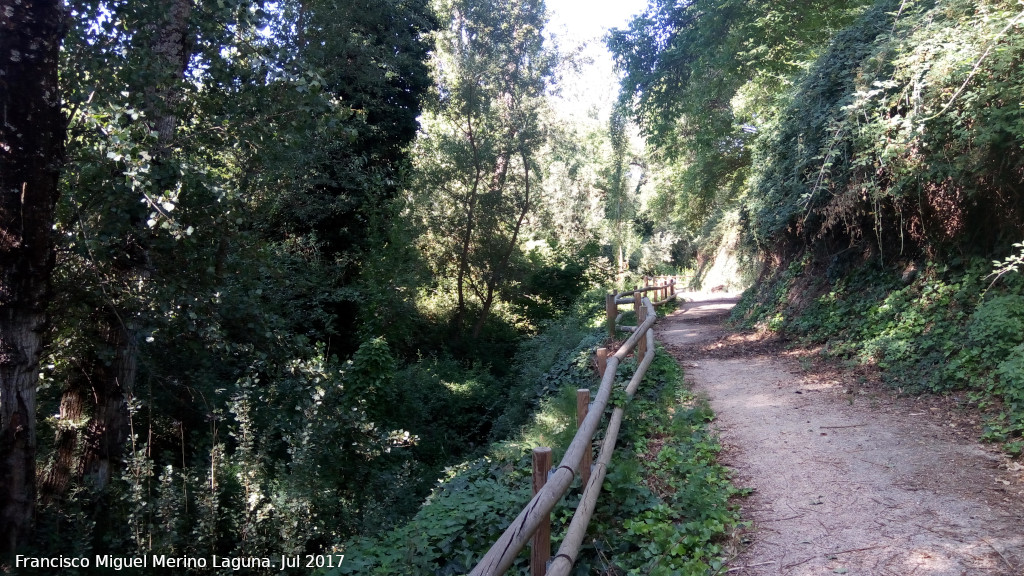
column 904, row 135
column 475, row 500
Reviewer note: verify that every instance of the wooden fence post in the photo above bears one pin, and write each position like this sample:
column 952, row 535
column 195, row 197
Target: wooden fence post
column 611, row 310
column 540, row 552
column 582, row 407
column 602, row 361
column 672, row 287
column 641, row 345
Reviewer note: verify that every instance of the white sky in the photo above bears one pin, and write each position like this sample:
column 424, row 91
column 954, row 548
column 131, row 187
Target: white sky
column 589, row 18
column 578, row 21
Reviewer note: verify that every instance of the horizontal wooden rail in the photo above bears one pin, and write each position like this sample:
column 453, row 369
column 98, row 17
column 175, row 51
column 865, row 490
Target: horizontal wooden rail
column 504, row 551
column 564, row 560
column 629, row 297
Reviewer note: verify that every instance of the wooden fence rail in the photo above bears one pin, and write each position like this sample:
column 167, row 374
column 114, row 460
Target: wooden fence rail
column 570, row 548
column 667, row 290
column 537, row 513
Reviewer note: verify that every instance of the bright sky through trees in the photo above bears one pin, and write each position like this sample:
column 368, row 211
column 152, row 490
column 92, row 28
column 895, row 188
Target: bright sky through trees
column 578, row 21
column 589, row 18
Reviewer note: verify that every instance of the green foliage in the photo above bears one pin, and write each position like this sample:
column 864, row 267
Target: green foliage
column 476, row 500
column 557, row 359
column 448, row 406
column 1011, row 264
column 884, row 128
column 703, row 79
column 479, row 162
column 863, row 150
column 1009, row 425
column 460, row 519
column 324, row 153
column 225, row 188
column 661, row 512
column 556, row 280
column 272, row 350
column 873, row 155
column 665, row 504
column 259, row 338
column 764, row 303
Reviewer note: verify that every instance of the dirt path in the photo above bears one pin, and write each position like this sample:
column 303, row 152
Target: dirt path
column 846, row 477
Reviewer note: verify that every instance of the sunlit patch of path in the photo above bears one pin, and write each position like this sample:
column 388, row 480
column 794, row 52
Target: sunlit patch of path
column 845, row 483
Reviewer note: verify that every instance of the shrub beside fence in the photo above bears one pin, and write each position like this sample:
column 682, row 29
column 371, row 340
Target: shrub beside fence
column 534, row 521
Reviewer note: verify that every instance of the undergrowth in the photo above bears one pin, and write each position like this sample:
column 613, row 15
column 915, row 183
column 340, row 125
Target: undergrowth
column 474, row 501
column 664, row 508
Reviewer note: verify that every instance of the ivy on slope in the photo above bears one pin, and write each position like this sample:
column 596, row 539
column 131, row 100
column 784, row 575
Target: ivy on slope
column 802, row 146
column 664, row 509
column 905, row 137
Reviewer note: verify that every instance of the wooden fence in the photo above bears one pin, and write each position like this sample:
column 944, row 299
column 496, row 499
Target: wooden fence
column 534, row 521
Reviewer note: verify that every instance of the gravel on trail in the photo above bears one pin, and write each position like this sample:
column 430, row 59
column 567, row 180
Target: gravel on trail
column 847, row 476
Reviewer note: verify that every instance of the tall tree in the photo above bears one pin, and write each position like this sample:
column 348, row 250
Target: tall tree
column 369, row 57
column 31, row 150
column 701, row 78
column 480, row 145
column 619, row 206
column 168, row 43
column 129, row 87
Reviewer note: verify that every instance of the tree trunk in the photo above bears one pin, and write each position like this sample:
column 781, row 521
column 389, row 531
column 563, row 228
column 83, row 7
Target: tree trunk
column 31, row 151
column 110, row 426
column 494, row 281
column 113, row 383
column 171, row 53
column 58, row 477
column 467, row 235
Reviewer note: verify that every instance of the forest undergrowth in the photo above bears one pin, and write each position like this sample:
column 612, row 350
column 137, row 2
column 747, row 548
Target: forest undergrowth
column 664, row 509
